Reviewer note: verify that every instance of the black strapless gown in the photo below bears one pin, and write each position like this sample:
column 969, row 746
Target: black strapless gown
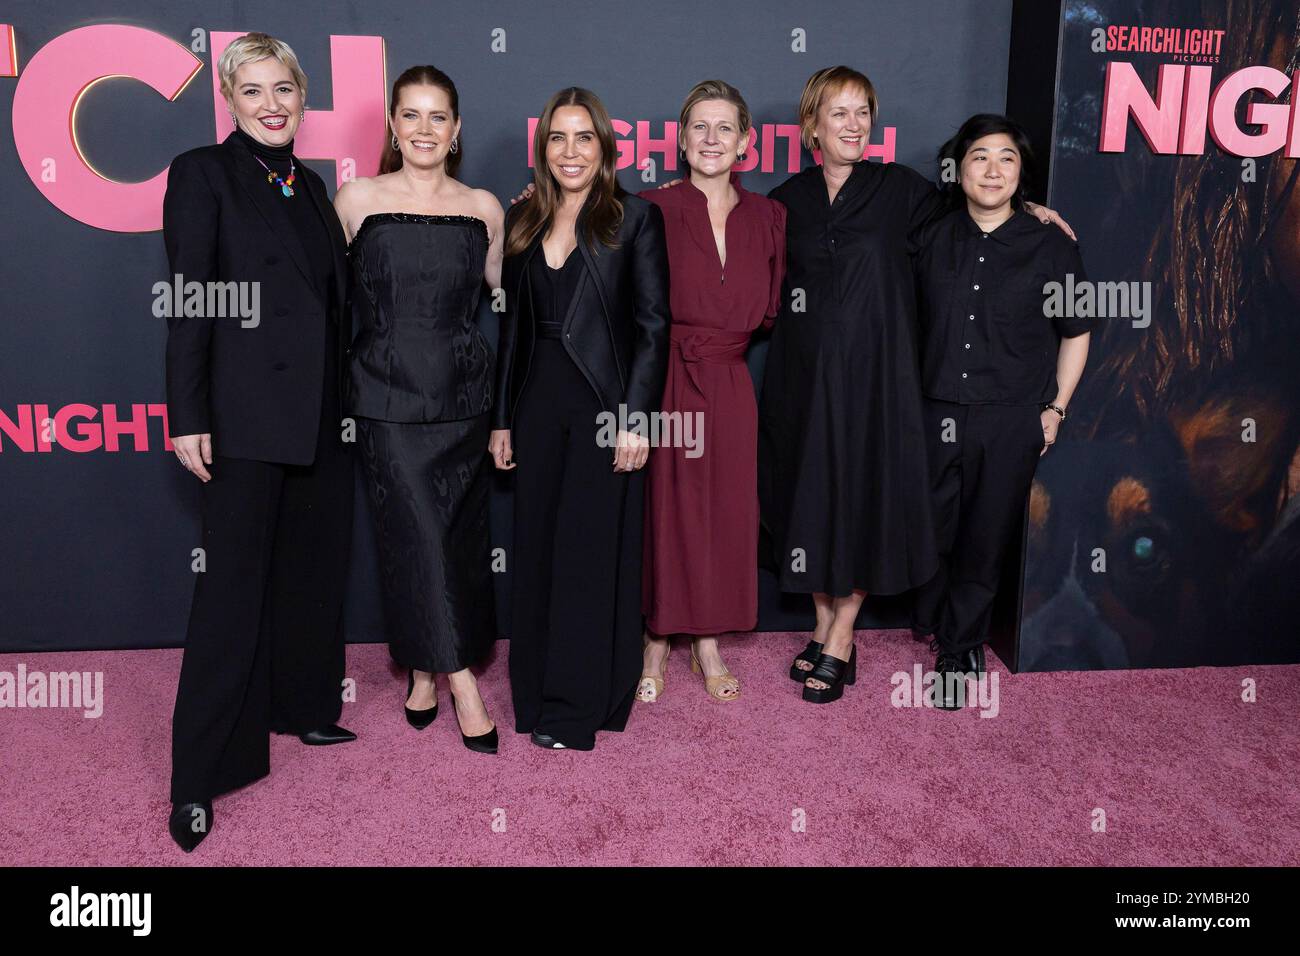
column 421, row 392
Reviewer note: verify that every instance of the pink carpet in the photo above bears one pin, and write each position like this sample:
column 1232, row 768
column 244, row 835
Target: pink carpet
column 1185, row 772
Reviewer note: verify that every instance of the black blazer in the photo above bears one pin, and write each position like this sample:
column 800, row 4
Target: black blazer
column 616, row 328
column 256, row 389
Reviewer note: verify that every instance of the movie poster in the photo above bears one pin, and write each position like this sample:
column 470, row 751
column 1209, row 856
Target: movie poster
column 1163, row 527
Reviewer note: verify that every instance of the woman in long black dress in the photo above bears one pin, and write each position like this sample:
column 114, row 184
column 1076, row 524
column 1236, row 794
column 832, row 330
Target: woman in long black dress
column 422, row 245
column 585, row 332
column 842, row 455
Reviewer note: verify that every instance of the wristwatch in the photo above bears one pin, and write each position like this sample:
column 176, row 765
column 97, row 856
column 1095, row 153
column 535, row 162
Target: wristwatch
column 1056, row 408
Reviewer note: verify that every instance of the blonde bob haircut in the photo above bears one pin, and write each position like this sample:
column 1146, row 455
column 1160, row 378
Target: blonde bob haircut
column 250, row 48
column 715, row 90
column 826, row 83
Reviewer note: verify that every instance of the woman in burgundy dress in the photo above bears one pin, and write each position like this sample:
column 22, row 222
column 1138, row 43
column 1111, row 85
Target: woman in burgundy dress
column 726, row 255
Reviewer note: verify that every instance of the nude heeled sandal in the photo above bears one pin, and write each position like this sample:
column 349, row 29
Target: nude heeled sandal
column 714, row 685
column 653, row 684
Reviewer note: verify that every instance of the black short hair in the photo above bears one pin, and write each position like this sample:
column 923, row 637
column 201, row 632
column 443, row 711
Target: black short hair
column 975, row 128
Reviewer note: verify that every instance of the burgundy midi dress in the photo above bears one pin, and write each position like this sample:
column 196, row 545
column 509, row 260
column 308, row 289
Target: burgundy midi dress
column 700, row 569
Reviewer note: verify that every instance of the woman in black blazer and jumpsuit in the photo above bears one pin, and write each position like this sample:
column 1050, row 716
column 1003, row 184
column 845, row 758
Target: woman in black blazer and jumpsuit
column 256, row 400
column 577, row 339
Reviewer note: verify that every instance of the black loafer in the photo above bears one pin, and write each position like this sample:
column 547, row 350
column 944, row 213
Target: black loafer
column 323, row 737
column 189, row 823
column 974, row 660
column 952, row 670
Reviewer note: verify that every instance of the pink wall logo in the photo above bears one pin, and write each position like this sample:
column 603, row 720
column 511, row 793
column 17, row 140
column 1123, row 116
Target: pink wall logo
column 773, row 147
column 1185, row 107
column 83, row 428
column 53, row 83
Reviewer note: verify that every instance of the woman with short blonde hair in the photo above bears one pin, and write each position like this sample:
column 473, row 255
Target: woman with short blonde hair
column 726, row 257
column 722, row 92
column 823, row 83
column 255, row 413
column 250, row 48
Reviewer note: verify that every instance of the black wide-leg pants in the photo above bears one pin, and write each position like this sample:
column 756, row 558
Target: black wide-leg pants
column 982, row 460
column 575, row 642
column 264, row 648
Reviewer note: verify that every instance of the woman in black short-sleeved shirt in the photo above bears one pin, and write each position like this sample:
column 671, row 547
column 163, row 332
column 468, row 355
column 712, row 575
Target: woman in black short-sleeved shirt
column 1002, row 350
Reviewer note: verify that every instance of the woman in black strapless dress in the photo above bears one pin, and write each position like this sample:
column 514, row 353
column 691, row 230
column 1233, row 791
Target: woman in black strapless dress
column 420, row 392
column 421, row 395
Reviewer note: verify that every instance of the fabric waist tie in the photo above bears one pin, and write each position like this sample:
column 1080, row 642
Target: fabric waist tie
column 697, row 346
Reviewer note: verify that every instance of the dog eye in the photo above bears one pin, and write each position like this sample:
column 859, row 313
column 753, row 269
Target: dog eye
column 1144, row 549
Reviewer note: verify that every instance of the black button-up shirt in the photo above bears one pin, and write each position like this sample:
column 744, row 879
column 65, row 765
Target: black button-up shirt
column 986, row 337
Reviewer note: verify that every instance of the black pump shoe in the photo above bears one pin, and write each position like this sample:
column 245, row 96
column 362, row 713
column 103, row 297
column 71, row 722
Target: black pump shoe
column 809, row 654
column 419, row 719
column 324, row 736
column 189, row 823
column 834, row 673
column 483, row 743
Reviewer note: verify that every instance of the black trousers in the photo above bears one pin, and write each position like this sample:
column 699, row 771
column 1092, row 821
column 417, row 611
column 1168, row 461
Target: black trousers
column 982, row 462
column 264, row 648
column 575, row 642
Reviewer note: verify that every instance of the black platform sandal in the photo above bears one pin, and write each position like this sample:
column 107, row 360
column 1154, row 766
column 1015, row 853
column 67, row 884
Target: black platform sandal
column 809, row 654
column 834, row 673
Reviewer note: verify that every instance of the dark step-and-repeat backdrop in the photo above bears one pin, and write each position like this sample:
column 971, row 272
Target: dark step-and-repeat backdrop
column 1159, row 535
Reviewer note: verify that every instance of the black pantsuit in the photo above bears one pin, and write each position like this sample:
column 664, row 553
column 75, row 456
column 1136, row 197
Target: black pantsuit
column 264, row 645
column 982, row 461
column 577, row 562
column 591, row 337
column 264, row 648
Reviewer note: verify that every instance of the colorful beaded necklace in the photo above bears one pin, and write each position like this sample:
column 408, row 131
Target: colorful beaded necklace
column 272, row 177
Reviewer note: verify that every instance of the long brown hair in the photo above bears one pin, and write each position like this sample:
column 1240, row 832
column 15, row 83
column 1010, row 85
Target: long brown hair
column 390, row 160
column 604, row 212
